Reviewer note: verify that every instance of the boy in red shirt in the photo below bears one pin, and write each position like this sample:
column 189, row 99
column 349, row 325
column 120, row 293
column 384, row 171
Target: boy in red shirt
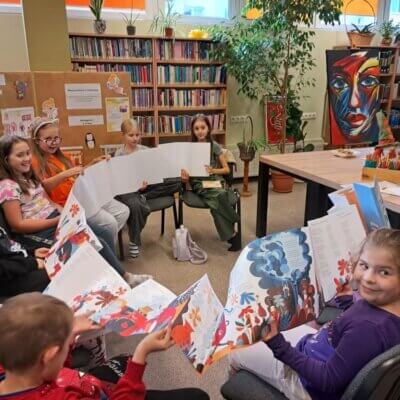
column 36, row 334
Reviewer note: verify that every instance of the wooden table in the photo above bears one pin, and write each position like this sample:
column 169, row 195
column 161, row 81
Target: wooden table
column 323, row 173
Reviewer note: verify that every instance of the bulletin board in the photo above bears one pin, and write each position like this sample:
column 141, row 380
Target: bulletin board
column 46, row 91
column 52, row 85
column 8, row 91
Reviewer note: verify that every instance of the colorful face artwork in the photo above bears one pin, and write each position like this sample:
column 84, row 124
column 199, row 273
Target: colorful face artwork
column 353, row 87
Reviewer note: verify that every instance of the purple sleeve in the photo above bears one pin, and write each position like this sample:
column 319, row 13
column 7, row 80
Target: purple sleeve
column 359, row 344
column 343, row 302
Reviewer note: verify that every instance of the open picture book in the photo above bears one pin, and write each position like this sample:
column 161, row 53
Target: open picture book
column 285, row 276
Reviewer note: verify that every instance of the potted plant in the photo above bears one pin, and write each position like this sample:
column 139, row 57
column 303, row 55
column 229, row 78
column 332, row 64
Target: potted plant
column 165, row 21
column 130, row 21
column 96, row 7
column 271, row 56
column 387, row 30
column 361, row 35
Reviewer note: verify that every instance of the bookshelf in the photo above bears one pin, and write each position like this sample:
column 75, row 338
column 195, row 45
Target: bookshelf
column 171, row 80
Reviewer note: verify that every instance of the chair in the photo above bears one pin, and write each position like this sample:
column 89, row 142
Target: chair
column 192, row 200
column 379, row 379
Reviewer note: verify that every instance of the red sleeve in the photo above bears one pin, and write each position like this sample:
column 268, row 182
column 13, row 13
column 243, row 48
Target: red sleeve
column 130, row 386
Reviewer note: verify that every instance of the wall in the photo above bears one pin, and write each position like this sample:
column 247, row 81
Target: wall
column 13, row 53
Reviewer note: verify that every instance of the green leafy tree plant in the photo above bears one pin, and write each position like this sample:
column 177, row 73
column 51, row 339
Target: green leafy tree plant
column 272, row 55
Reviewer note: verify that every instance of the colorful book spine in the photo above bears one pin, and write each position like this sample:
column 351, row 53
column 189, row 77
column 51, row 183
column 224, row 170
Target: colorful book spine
column 191, row 98
column 191, row 74
column 181, row 124
column 142, row 98
column 146, row 124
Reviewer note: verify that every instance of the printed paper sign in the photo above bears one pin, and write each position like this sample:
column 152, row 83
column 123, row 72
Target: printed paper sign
column 83, row 96
column 117, row 110
column 2, row 80
column 83, row 120
column 16, row 121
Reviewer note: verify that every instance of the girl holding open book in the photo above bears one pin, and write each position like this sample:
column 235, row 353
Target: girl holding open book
column 58, row 173
column 31, row 216
column 321, row 364
column 217, row 199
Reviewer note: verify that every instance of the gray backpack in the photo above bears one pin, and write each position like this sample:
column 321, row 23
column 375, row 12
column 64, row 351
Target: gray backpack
column 186, row 249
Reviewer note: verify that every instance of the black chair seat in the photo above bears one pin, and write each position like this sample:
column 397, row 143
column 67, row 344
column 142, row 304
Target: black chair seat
column 329, row 313
column 245, row 385
column 193, row 200
column 160, row 203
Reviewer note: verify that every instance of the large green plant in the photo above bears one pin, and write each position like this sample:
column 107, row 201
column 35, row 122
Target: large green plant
column 273, row 54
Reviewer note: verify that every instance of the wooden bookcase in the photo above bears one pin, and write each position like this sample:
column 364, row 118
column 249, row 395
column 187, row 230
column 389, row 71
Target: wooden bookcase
column 156, row 55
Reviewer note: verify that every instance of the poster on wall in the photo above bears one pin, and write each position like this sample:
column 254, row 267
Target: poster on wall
column 83, row 96
column 16, row 121
column 353, row 91
column 274, row 121
column 117, row 110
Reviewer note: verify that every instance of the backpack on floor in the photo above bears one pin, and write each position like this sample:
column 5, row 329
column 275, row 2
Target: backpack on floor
column 186, row 249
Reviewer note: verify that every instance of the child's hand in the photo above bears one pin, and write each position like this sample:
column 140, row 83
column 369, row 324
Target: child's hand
column 41, row 253
column 144, row 186
column 209, row 170
column 74, row 171
column 82, row 324
column 185, row 176
column 156, row 341
column 271, row 330
column 40, row 263
column 344, row 290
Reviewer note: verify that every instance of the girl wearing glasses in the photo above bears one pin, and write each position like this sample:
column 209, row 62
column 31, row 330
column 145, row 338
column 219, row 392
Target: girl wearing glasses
column 58, row 174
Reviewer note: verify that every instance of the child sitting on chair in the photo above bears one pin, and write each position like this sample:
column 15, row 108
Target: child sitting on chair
column 321, row 364
column 36, row 335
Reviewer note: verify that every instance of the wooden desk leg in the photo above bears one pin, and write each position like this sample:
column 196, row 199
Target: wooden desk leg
column 262, row 199
column 245, row 191
column 317, row 201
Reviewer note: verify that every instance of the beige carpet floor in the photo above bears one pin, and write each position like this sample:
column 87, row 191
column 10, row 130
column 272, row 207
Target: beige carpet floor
column 170, row 369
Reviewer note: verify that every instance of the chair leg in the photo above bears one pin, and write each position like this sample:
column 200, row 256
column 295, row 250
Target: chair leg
column 121, row 246
column 238, row 210
column 162, row 221
column 175, row 216
column 180, row 219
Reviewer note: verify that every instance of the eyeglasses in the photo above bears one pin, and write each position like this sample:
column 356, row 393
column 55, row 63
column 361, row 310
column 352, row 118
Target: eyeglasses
column 50, row 141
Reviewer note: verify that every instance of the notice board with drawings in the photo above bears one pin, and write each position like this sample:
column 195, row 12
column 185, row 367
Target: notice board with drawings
column 80, row 100
column 17, row 102
column 90, row 106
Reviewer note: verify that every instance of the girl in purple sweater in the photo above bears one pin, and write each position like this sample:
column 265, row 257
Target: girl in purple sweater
column 320, row 364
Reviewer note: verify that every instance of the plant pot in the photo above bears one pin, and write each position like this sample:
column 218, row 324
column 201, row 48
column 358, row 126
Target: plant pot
column 246, row 153
column 100, row 25
column 169, row 32
column 282, row 183
column 360, row 39
column 387, row 41
column 131, row 30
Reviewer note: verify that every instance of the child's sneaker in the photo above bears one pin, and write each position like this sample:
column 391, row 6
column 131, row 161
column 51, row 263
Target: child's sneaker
column 134, row 279
column 133, row 250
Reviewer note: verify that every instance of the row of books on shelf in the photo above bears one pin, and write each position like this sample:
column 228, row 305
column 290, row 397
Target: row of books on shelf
column 394, row 118
column 190, row 98
column 384, row 91
column 142, row 98
column 180, row 124
column 92, row 47
column 385, row 58
column 146, row 124
column 181, row 49
column 140, row 73
column 191, row 74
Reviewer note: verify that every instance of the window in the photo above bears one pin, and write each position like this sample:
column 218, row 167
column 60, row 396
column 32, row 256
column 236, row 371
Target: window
column 360, row 12
column 201, row 8
column 395, row 11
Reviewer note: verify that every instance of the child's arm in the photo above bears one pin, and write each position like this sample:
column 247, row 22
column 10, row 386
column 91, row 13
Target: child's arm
column 224, row 170
column 12, row 212
column 52, row 182
column 350, row 356
column 131, row 385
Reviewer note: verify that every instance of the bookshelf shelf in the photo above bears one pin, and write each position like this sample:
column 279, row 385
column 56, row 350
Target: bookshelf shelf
column 153, row 62
column 111, row 60
column 189, row 62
